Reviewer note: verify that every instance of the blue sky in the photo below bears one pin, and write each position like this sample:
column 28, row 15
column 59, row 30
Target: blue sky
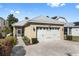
column 20, row 10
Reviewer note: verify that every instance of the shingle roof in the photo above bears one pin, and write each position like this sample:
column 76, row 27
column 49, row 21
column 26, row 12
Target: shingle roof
column 44, row 19
column 1, row 18
column 20, row 23
column 39, row 19
column 70, row 25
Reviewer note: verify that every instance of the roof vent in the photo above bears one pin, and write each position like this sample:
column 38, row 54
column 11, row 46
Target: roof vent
column 55, row 17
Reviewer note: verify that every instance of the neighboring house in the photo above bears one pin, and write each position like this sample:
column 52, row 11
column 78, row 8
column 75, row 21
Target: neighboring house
column 3, row 23
column 70, row 29
column 43, row 28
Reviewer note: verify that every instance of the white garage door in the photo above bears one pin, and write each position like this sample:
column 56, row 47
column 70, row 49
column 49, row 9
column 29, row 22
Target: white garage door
column 48, row 34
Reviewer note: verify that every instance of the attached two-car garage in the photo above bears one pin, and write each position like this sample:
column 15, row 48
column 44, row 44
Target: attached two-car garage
column 48, row 34
column 42, row 28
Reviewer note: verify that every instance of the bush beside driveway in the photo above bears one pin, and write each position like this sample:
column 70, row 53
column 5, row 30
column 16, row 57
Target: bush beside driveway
column 72, row 38
column 53, row 48
column 6, row 45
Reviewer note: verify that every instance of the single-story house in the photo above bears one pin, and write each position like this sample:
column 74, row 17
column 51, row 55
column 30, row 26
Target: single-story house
column 71, row 30
column 43, row 28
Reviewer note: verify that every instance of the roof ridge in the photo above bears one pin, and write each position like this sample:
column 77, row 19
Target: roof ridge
column 38, row 17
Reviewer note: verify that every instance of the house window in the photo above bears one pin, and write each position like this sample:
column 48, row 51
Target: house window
column 19, row 32
column 65, row 31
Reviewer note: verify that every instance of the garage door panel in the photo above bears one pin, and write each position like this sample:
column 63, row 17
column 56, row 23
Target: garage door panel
column 40, row 34
column 48, row 35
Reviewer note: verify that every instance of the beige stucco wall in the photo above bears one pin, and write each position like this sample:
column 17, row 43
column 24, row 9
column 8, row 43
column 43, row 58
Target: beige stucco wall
column 30, row 33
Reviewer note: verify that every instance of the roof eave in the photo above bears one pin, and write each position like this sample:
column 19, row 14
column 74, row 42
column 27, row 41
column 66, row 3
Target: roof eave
column 47, row 23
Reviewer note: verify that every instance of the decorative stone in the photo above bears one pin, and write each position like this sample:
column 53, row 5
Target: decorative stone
column 18, row 51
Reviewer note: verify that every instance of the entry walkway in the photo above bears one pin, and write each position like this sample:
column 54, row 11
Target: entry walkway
column 19, row 49
column 20, row 42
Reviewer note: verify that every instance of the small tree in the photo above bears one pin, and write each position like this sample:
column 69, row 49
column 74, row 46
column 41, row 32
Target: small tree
column 11, row 19
column 26, row 18
column 47, row 16
column 6, row 30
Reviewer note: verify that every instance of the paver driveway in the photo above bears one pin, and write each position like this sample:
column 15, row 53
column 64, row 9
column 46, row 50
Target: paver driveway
column 53, row 48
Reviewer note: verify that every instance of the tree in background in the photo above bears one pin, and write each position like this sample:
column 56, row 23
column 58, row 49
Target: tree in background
column 47, row 16
column 11, row 19
column 54, row 17
column 26, row 18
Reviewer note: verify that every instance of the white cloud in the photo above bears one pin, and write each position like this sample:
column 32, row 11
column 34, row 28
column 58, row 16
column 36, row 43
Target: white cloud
column 63, row 4
column 77, row 6
column 14, row 12
column 56, row 4
column 17, row 12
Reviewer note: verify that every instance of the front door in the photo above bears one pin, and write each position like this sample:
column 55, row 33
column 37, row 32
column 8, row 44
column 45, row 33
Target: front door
column 19, row 32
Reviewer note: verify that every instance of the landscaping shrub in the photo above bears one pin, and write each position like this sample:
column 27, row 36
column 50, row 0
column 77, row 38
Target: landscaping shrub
column 34, row 40
column 68, row 37
column 72, row 38
column 75, row 38
column 5, row 47
column 12, row 40
column 26, row 40
column 10, row 34
column 6, row 51
column 1, row 42
column 0, row 50
column 1, row 36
